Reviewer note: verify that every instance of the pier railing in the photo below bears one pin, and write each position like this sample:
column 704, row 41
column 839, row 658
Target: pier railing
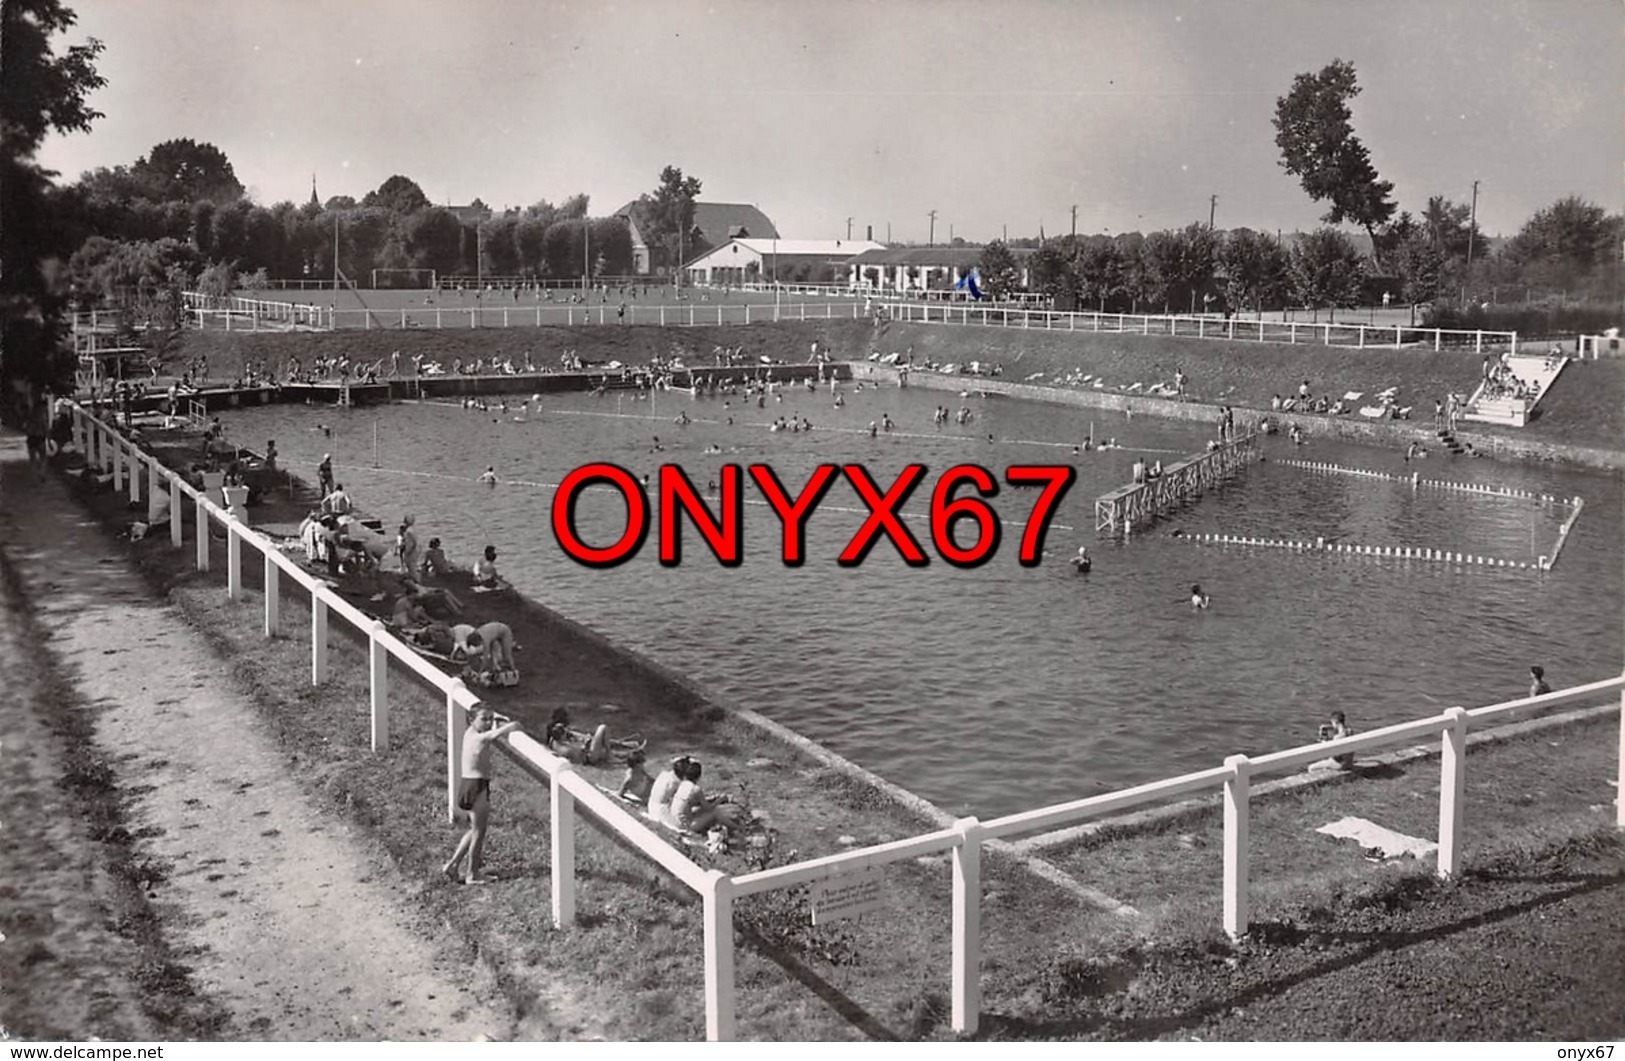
column 1137, row 504
column 105, row 447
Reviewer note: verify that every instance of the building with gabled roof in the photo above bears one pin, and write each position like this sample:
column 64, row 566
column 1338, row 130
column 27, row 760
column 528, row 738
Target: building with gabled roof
column 714, row 225
column 790, row 260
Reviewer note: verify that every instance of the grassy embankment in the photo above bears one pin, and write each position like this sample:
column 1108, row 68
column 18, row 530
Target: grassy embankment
column 1586, row 406
column 636, row 954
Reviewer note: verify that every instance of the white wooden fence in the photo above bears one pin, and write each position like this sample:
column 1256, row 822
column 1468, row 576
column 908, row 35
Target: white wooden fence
column 253, row 314
column 103, row 446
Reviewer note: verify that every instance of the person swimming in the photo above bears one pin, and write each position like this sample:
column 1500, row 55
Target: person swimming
column 489, row 475
column 1198, row 598
column 1081, row 562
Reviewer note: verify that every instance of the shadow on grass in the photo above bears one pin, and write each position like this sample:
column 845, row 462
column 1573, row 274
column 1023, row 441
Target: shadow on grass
column 1181, row 963
column 848, row 1009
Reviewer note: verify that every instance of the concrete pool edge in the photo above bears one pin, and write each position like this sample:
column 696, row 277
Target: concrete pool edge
column 1369, row 432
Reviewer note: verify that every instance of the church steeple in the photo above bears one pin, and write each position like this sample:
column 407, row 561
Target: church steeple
column 314, row 200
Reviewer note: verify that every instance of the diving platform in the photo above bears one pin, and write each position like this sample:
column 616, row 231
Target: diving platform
column 1137, row 504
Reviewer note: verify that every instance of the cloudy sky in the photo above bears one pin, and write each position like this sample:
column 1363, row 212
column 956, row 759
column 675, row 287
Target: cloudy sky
column 991, row 113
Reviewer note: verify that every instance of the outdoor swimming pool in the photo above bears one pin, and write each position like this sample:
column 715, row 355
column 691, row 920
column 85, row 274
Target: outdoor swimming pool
column 1001, row 688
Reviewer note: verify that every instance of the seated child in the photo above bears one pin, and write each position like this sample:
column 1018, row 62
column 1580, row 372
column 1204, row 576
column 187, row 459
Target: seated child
column 637, row 785
column 1337, row 729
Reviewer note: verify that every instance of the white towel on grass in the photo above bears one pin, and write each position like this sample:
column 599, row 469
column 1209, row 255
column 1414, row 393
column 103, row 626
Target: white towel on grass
column 1370, row 834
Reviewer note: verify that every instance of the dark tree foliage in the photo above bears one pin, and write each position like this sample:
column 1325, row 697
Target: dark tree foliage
column 40, row 91
column 669, row 216
column 186, row 171
column 998, row 270
column 398, row 195
column 1325, row 270
column 1318, row 146
column 1252, row 267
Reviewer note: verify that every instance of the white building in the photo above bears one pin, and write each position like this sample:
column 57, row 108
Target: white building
column 789, row 260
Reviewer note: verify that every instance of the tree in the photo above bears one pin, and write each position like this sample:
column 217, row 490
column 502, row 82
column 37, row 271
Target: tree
column 41, row 90
column 999, row 272
column 143, row 280
column 362, row 235
column 1572, row 231
column 1325, row 270
column 501, row 250
column 1051, row 269
column 1419, row 265
column 1449, row 227
column 669, row 213
column 1252, row 269
column 527, row 239
column 1318, row 146
column 434, row 239
column 612, row 246
column 1101, row 272
column 1159, row 256
column 575, row 207
column 187, row 171
column 399, row 195
column 340, row 202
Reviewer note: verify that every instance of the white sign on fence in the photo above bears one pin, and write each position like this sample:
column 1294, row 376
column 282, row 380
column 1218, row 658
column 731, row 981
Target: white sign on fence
column 845, row 895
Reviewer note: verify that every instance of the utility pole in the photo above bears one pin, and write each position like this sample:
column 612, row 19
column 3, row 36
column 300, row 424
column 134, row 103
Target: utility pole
column 849, row 229
column 1074, row 220
column 586, row 252
column 1472, row 226
column 1212, row 205
column 931, row 238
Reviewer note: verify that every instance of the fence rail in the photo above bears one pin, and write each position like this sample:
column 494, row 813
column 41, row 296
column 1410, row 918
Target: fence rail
column 252, row 314
column 104, row 447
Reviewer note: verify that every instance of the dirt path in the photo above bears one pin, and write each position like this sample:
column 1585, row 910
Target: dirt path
column 289, row 922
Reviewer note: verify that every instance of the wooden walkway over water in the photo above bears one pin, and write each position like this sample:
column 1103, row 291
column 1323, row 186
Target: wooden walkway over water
column 1137, row 504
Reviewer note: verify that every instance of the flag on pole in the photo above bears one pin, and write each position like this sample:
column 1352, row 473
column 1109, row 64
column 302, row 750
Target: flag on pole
column 968, row 283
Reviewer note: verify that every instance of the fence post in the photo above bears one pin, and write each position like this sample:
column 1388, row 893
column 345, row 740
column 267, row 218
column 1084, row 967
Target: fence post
column 967, row 930
column 1619, row 776
column 273, row 598
column 175, row 532
column 379, row 659
column 456, row 722
column 1438, row 339
column 116, row 451
column 1478, row 341
column 202, row 534
column 1452, row 790
column 134, row 456
column 1235, row 845
column 562, row 828
column 719, row 957
column 155, row 488
column 318, row 638
column 234, row 559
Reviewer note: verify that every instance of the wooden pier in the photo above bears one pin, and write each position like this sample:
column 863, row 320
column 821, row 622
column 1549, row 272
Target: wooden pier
column 1137, row 504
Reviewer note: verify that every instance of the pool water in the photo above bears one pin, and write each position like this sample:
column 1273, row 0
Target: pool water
column 1002, row 687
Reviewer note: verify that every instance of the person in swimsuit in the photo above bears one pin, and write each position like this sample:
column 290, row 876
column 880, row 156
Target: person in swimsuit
column 474, row 793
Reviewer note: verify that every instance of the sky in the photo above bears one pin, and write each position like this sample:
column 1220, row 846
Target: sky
column 999, row 116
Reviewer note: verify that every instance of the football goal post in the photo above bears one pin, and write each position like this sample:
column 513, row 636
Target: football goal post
column 413, row 279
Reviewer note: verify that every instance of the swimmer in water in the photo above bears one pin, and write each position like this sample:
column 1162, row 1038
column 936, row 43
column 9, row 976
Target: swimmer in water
column 489, row 476
column 1082, row 562
column 1198, row 598
column 874, row 429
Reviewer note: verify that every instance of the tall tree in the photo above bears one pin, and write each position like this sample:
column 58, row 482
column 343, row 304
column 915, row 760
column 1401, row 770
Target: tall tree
column 1325, row 271
column 1252, row 267
column 399, row 195
column 187, row 171
column 1101, row 272
column 1318, row 146
column 669, row 213
column 998, row 270
column 434, row 239
column 40, row 90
